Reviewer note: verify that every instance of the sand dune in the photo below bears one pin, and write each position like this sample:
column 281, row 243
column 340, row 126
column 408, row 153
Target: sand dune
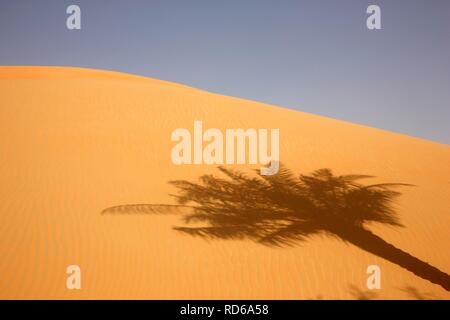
column 75, row 142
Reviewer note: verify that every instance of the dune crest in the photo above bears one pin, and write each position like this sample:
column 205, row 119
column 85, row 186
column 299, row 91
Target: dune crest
column 78, row 142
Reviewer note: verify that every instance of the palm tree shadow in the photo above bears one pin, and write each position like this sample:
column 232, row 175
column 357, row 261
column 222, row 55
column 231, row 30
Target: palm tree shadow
column 414, row 293
column 359, row 294
column 283, row 210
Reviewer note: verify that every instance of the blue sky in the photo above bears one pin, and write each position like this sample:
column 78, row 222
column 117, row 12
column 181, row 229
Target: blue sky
column 315, row 56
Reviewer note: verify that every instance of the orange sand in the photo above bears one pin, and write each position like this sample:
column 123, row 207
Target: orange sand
column 75, row 141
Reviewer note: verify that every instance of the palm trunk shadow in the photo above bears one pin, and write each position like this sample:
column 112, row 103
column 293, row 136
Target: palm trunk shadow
column 284, row 209
column 372, row 243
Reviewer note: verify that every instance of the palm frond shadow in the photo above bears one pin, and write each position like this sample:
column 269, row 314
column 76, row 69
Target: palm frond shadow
column 284, row 210
column 359, row 294
column 143, row 208
column 414, row 293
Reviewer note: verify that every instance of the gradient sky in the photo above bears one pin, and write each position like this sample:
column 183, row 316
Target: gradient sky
column 316, row 56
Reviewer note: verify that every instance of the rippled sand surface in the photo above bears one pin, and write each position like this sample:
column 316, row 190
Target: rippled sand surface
column 74, row 142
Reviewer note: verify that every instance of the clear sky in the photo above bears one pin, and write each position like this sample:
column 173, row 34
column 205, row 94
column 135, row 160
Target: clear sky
column 316, row 56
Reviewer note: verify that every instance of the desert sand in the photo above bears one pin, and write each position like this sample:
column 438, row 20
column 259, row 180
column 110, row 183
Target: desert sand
column 75, row 142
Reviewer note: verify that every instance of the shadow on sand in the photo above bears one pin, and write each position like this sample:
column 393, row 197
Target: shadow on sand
column 284, row 209
column 359, row 294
